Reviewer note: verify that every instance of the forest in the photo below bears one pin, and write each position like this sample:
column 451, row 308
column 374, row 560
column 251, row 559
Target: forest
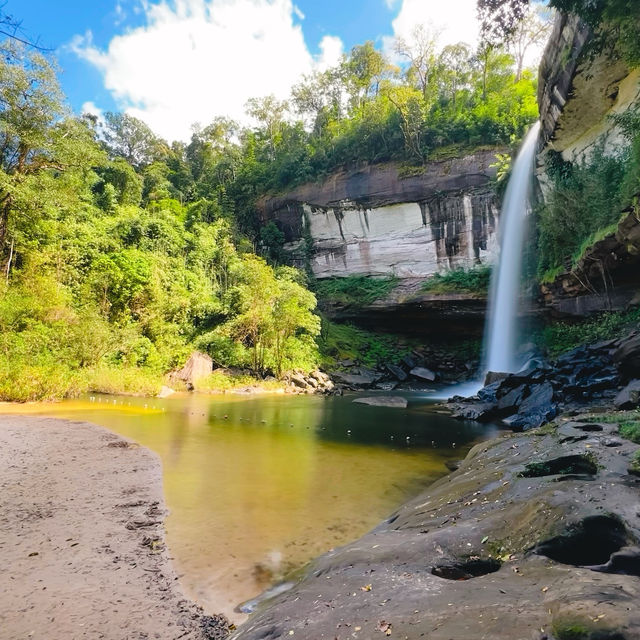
column 121, row 253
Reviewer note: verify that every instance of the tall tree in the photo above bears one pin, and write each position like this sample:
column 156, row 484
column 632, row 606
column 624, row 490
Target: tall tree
column 130, row 138
column 40, row 143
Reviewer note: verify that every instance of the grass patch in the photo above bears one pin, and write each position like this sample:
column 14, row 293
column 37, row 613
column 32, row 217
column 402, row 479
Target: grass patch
column 474, row 280
column 635, row 463
column 354, row 290
column 221, row 382
column 562, row 336
column 631, row 430
column 135, row 381
column 39, row 382
column 628, row 423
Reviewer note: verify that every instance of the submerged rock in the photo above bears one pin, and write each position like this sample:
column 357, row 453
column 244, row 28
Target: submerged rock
column 423, row 374
column 395, row 402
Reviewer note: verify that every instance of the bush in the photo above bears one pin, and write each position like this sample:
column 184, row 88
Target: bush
column 476, row 280
column 346, row 342
column 562, row 336
column 354, row 290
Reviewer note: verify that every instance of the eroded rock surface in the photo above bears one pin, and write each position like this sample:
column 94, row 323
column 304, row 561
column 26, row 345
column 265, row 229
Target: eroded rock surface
column 486, row 551
column 375, row 221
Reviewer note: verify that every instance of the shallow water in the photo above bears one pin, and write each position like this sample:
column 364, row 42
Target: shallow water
column 259, row 486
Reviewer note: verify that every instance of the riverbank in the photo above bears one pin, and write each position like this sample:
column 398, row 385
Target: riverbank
column 82, row 538
column 535, row 532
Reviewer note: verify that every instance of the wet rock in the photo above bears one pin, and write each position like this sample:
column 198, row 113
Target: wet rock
column 535, row 410
column 388, row 385
column 394, row 402
column 629, row 397
column 494, row 376
column 423, row 374
column 513, row 399
column 483, row 412
column 215, row 627
column 355, row 380
column 165, row 392
column 627, row 357
column 397, row 372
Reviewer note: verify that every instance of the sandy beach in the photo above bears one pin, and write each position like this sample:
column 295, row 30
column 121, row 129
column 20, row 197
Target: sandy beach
column 82, row 538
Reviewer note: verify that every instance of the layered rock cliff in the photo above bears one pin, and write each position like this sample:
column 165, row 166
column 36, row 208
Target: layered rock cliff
column 579, row 92
column 377, row 222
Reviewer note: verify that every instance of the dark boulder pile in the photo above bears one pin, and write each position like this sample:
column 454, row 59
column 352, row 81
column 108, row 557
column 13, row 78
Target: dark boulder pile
column 602, row 373
column 415, row 371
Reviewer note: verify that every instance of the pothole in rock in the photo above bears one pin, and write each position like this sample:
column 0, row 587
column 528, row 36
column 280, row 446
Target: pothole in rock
column 466, row 569
column 565, row 465
column 587, row 543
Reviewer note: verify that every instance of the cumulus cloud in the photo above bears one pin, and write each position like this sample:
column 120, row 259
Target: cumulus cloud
column 92, row 109
column 453, row 20
column 195, row 59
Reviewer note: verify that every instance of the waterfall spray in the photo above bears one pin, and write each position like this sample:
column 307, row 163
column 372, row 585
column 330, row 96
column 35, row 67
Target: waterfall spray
column 501, row 336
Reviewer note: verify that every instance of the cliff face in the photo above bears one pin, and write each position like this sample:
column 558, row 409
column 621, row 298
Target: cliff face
column 376, row 222
column 578, row 93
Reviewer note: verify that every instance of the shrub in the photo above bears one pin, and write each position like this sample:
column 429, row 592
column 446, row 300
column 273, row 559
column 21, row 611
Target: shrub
column 355, row 290
column 476, row 280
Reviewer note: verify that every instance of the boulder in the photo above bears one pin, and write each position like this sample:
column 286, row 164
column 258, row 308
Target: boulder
column 537, row 409
column 397, row 372
column 394, row 402
column 494, row 376
column 629, row 397
column 627, row 357
column 198, row 366
column 483, row 412
column 423, row 374
column 298, row 380
column 355, row 380
column 165, row 392
column 512, row 400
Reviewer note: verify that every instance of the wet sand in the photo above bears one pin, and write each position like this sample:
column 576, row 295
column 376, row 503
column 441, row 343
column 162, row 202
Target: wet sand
column 82, row 538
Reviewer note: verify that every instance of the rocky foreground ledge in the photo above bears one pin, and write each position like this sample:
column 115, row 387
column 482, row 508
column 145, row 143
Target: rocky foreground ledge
column 82, row 539
column 535, row 536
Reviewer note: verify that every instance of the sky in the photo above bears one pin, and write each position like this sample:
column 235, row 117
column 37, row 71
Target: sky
column 174, row 63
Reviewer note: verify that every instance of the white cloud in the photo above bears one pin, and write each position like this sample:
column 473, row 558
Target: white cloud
column 454, row 20
column 331, row 50
column 92, row 109
column 195, row 59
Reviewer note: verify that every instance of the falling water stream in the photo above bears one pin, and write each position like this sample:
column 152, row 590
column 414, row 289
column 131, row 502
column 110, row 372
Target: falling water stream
column 501, row 336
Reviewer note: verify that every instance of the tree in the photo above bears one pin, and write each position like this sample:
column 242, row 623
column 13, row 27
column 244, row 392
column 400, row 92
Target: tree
column 270, row 113
column 421, row 53
column 363, row 71
column 129, row 138
column 532, row 30
column 43, row 151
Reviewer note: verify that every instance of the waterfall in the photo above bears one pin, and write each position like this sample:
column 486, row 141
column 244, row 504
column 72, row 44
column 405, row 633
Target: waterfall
column 501, row 336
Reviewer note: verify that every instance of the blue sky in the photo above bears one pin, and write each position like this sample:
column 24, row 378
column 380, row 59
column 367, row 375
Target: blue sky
column 175, row 62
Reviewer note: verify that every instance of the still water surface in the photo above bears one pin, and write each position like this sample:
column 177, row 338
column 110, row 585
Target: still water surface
column 257, row 487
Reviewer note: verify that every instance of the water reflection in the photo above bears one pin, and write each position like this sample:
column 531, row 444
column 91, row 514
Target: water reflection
column 259, row 486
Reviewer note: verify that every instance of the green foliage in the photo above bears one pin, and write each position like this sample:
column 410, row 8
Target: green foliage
column 100, row 294
column 635, row 463
column 475, row 280
column 630, row 430
column 354, row 290
column 585, row 201
column 347, row 342
column 561, row 336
